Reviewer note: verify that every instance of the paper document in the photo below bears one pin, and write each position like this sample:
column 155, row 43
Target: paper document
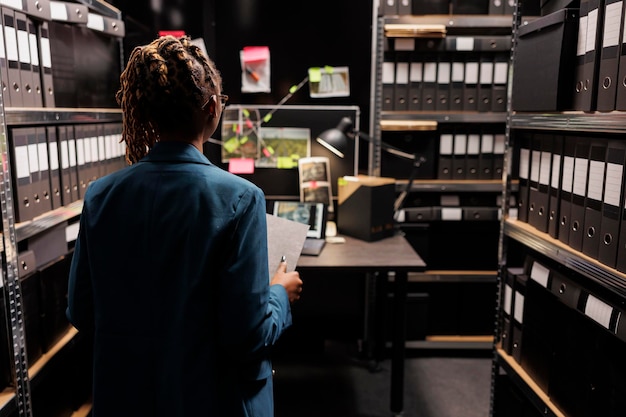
column 284, row 238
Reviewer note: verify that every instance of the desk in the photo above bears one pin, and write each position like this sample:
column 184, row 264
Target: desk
column 393, row 254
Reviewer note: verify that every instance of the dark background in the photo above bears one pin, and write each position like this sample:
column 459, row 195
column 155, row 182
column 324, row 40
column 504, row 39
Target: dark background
column 327, row 32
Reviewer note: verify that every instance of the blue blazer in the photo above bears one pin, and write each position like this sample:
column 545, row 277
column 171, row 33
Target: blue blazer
column 170, row 274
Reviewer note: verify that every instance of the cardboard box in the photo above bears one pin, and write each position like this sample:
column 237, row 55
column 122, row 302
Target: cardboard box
column 365, row 207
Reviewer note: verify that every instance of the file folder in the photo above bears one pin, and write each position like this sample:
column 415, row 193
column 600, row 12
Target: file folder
column 22, row 179
column 102, row 160
column 612, row 203
column 500, row 75
column 472, row 168
column 518, row 316
column 4, row 69
column 429, row 84
column 470, row 92
column 47, row 85
column 525, row 146
column 81, row 160
column 459, row 156
column 595, row 192
column 94, row 133
column 35, row 177
column 579, row 194
column 446, row 147
column 485, row 164
column 539, row 217
column 390, row 7
column 567, row 181
column 66, row 170
column 405, row 7
column 620, row 100
column 506, row 336
column 415, row 85
column 457, row 79
column 56, row 190
column 44, row 191
column 579, row 77
column 485, row 86
column 499, row 143
column 25, row 67
column 388, row 82
column 555, row 186
column 595, row 21
column 401, row 91
column 88, row 134
column 71, row 146
column 533, row 177
column 13, row 59
column 610, row 54
column 443, row 86
column 34, row 61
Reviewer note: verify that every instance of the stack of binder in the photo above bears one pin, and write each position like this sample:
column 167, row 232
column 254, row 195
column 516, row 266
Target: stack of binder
column 471, row 156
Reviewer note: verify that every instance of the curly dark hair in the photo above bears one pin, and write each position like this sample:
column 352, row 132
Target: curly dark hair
column 163, row 85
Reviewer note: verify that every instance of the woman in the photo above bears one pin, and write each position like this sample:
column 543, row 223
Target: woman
column 169, row 271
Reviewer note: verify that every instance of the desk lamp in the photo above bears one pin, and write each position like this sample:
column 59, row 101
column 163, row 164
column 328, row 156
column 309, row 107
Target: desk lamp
column 336, row 140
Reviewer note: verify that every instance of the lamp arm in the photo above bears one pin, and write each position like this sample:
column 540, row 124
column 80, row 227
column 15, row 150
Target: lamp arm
column 418, row 160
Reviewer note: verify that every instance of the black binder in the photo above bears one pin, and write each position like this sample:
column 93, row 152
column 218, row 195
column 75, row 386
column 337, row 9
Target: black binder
column 610, row 55
column 443, row 85
column 485, row 86
column 46, row 65
column 485, row 164
column 620, row 101
column 579, row 194
column 13, row 64
column 539, row 217
column 21, row 175
column 472, row 159
column 500, row 75
column 457, row 80
column 25, row 67
column 567, row 179
column 56, row 189
column 533, row 177
column 525, row 140
column 388, row 82
column 506, row 302
column 592, row 55
column 613, row 203
column 499, row 144
column 446, row 147
column 595, row 192
column 415, row 83
column 555, row 186
column 518, row 316
column 401, row 90
column 579, row 71
column 459, row 156
column 44, row 170
column 429, row 82
column 470, row 92
column 64, row 163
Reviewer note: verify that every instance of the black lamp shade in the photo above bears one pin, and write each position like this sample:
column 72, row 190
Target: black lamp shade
column 336, row 139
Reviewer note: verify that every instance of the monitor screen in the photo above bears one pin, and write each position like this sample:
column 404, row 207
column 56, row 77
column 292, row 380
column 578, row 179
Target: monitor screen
column 313, row 214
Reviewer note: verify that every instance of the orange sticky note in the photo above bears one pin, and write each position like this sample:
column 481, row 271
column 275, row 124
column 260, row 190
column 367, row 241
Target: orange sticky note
column 241, row 166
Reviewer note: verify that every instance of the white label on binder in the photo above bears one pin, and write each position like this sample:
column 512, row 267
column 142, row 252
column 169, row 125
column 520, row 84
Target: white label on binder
column 65, row 159
column 404, row 44
column 22, row 45
column 46, row 57
column 486, row 73
column 568, row 174
column 599, row 311
column 430, row 72
column 518, row 314
column 71, row 146
column 499, row 144
column 21, row 162
column 58, row 11
column 34, row 50
column 458, row 72
column 10, row 38
column 460, row 144
column 389, row 76
column 592, row 27
column 524, row 163
column 42, row 151
column 486, row 145
column 87, row 145
column 613, row 184
column 101, row 148
column 416, row 72
column 33, row 158
column 445, row 144
column 402, row 73
column 108, row 146
column 451, row 214
column 464, row 43
column 471, row 73
column 95, row 22
column 443, row 73
column 582, row 36
column 612, row 24
column 80, row 151
column 500, row 72
column 14, row 4
column 508, row 298
column 534, row 167
column 54, row 156
column 544, row 173
column 580, row 176
column 3, row 54
column 596, row 180
column 540, row 274
column 94, row 149
column 556, row 170
column 473, row 144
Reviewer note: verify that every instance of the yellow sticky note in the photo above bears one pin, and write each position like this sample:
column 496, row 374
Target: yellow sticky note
column 285, row 162
column 231, row 144
column 315, row 74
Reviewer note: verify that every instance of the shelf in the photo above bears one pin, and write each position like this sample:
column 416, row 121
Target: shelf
column 48, row 220
column 612, row 122
column 8, row 405
column 454, row 276
column 560, row 252
column 449, row 24
column 36, row 367
column 451, row 342
column 451, row 185
column 532, row 391
column 389, row 117
column 59, row 115
column 408, row 125
column 83, row 411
